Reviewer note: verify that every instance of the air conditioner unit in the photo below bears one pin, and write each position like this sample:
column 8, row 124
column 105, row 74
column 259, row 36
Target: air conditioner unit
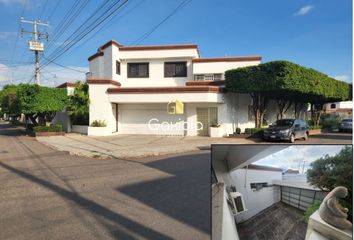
column 237, row 202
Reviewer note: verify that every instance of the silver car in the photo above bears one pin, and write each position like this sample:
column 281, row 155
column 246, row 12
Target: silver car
column 346, row 125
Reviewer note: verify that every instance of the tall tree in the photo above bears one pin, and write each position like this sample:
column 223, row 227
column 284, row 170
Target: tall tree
column 41, row 103
column 284, row 81
column 78, row 104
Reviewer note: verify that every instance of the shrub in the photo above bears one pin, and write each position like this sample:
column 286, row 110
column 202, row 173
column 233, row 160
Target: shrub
column 330, row 121
column 238, row 130
column 215, row 124
column 98, row 123
column 51, row 128
column 253, row 130
column 311, row 209
column 313, row 127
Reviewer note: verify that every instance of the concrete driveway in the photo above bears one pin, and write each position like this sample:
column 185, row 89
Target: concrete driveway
column 130, row 146
column 47, row 194
column 138, row 146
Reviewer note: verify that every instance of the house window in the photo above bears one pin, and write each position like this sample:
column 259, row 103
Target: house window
column 118, row 67
column 175, row 69
column 217, row 77
column 333, row 105
column 209, row 77
column 138, row 70
column 198, row 77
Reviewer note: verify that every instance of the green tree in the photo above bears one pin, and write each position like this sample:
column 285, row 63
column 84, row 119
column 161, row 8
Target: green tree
column 78, row 104
column 41, row 103
column 329, row 172
column 9, row 103
column 286, row 82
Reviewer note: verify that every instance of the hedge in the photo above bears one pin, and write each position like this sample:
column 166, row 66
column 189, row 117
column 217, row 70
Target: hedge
column 253, row 130
column 52, row 128
column 314, row 127
column 289, row 80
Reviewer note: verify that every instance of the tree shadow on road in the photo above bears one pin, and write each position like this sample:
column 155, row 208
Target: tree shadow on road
column 131, row 228
column 185, row 196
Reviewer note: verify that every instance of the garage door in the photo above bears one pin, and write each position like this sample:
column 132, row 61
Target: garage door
column 149, row 119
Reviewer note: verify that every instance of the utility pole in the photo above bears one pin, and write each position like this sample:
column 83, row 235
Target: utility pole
column 36, row 45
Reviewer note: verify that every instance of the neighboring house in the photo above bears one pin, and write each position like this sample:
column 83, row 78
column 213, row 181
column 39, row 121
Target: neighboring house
column 343, row 109
column 130, row 88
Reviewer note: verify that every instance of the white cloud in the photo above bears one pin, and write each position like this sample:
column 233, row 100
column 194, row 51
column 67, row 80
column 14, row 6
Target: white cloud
column 294, row 156
column 344, row 78
column 29, row 4
column 304, row 10
column 8, row 2
column 4, row 73
column 7, row 35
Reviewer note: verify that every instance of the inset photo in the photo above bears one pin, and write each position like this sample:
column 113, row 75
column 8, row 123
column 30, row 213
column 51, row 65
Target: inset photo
column 282, row 192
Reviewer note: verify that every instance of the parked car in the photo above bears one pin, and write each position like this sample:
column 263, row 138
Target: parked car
column 346, row 125
column 287, row 129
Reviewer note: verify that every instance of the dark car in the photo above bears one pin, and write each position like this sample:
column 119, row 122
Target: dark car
column 346, row 125
column 287, row 129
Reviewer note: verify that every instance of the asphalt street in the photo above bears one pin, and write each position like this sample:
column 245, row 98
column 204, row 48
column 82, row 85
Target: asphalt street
column 48, row 194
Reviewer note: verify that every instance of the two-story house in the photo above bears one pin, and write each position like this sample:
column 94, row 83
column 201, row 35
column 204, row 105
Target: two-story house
column 131, row 86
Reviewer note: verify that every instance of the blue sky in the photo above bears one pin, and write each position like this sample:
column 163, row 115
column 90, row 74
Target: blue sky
column 315, row 33
column 294, row 156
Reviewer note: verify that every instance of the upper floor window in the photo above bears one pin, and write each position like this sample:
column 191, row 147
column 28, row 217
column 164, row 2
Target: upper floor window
column 138, row 70
column 175, row 69
column 118, row 67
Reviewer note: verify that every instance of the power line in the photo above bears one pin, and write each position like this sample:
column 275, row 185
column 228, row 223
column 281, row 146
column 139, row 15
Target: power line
column 83, row 30
column 68, row 19
column 111, row 21
column 60, row 65
column 148, row 33
column 54, row 9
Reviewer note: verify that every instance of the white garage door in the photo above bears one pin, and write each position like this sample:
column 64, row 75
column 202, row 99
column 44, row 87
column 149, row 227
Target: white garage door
column 149, row 119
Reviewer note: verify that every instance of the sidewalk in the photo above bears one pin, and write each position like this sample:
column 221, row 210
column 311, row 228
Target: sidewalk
column 132, row 146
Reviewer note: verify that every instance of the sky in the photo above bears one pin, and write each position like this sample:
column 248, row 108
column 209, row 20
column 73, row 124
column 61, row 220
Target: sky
column 313, row 33
column 295, row 156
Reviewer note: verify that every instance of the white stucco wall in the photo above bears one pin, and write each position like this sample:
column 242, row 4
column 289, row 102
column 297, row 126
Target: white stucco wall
column 339, row 105
column 156, row 73
column 151, row 54
column 255, row 201
column 166, row 97
column 220, row 67
column 62, row 118
column 100, row 106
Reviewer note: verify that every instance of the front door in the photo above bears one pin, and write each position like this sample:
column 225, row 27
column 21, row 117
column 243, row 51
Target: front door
column 203, row 117
column 206, row 116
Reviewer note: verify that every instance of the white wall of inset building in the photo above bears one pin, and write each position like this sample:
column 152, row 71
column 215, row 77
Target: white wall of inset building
column 255, row 201
column 338, row 105
column 100, row 106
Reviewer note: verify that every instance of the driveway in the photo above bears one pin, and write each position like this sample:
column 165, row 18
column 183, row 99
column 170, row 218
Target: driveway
column 47, row 194
column 140, row 146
